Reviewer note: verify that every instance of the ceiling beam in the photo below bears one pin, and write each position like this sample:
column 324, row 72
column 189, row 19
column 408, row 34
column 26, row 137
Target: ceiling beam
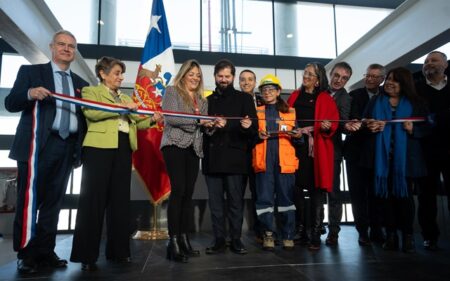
column 28, row 26
column 412, row 30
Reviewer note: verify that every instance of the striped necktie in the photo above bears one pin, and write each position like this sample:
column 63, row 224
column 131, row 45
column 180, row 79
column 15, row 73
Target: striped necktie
column 64, row 123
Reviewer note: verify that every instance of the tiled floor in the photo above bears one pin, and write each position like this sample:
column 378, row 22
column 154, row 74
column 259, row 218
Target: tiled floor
column 347, row 261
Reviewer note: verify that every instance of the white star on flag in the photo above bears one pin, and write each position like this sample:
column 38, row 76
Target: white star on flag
column 157, row 92
column 154, row 23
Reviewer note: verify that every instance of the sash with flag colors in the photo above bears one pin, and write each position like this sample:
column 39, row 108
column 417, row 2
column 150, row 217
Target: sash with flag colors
column 154, row 74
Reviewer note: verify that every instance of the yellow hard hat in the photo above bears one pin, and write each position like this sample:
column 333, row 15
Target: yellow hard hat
column 270, row 79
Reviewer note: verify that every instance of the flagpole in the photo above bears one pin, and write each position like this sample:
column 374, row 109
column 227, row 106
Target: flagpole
column 154, row 74
column 155, row 233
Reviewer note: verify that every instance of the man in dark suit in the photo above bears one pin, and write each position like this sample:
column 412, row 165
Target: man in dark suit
column 339, row 75
column 47, row 145
column 225, row 157
column 435, row 91
column 360, row 181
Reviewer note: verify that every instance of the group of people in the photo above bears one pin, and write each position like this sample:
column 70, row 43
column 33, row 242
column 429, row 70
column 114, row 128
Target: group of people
column 290, row 152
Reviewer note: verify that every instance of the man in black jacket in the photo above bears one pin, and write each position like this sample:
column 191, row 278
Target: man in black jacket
column 435, row 90
column 225, row 157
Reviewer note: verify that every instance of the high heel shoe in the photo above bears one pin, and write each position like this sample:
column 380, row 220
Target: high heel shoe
column 185, row 246
column 173, row 251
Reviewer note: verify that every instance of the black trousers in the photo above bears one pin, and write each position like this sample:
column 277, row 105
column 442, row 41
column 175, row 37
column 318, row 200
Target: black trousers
column 399, row 212
column 366, row 207
column 53, row 170
column 437, row 165
column 218, row 186
column 182, row 166
column 105, row 188
column 335, row 201
column 251, row 179
column 308, row 199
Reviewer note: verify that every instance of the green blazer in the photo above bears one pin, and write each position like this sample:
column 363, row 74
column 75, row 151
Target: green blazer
column 103, row 126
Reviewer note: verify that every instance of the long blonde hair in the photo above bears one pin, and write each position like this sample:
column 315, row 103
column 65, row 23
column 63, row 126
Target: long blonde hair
column 181, row 87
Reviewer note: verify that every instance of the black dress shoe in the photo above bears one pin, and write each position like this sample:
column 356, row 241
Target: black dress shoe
column 332, row 240
column 237, row 247
column 219, row 246
column 52, row 260
column 120, row 260
column 391, row 243
column 89, row 266
column 364, row 241
column 27, row 266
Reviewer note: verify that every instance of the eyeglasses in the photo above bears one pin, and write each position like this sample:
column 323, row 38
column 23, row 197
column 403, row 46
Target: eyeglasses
column 337, row 77
column 269, row 90
column 368, row 76
column 309, row 74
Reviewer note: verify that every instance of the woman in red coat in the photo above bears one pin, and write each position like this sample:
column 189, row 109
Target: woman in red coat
column 315, row 174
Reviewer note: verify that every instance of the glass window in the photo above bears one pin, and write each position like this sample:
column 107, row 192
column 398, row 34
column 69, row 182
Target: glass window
column 353, row 22
column 125, row 23
column 73, row 218
column 63, row 222
column 10, row 66
column 315, row 31
column 9, row 124
column 245, row 27
column 83, row 26
column 183, row 18
column 5, row 161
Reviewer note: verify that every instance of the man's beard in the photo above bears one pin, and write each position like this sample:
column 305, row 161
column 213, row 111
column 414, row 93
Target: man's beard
column 224, row 87
column 432, row 71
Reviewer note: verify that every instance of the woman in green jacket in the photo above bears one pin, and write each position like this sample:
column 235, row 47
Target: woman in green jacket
column 105, row 184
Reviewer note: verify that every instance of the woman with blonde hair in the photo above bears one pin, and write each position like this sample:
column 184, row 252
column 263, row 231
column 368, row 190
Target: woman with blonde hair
column 181, row 146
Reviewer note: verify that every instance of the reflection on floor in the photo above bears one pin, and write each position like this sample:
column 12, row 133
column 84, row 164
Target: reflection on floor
column 347, row 261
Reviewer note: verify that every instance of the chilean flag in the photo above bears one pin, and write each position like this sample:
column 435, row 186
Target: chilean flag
column 155, row 72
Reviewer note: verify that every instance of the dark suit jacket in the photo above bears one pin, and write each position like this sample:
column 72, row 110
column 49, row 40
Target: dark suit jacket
column 354, row 141
column 31, row 76
column 343, row 103
column 225, row 151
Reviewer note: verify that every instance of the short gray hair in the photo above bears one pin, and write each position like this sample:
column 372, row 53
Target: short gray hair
column 60, row 32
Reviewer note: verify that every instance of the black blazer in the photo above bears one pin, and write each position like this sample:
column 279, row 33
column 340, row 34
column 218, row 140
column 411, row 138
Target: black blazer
column 225, row 151
column 31, row 76
column 343, row 103
column 354, row 141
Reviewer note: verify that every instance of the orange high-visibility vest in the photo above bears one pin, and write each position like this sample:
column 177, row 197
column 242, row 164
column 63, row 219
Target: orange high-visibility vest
column 288, row 160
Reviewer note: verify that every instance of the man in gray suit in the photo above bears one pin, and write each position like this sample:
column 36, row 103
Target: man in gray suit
column 339, row 75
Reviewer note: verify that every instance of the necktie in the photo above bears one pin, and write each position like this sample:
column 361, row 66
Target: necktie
column 65, row 110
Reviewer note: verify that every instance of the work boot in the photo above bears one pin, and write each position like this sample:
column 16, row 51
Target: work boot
column 268, row 241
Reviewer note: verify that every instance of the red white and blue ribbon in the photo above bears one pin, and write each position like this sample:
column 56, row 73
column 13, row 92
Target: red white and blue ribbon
column 29, row 212
column 124, row 110
column 144, row 111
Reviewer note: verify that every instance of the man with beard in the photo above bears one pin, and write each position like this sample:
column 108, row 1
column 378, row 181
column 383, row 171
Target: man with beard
column 225, row 157
column 435, row 89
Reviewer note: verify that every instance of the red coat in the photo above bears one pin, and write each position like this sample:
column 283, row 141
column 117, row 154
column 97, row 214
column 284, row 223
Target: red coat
column 326, row 109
